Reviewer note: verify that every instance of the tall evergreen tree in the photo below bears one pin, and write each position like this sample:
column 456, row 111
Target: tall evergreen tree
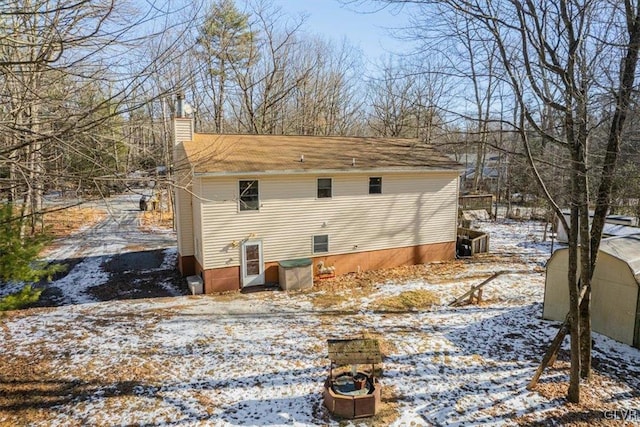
column 19, row 253
column 226, row 42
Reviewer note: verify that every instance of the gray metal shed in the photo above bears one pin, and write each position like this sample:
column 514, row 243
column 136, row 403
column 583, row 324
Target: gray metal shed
column 615, row 289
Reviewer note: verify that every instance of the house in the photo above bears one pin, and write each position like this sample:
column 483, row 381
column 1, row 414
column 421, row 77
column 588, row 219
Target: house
column 614, row 225
column 615, row 302
column 489, row 173
column 244, row 203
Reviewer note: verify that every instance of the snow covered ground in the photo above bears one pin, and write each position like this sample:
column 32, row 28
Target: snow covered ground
column 260, row 358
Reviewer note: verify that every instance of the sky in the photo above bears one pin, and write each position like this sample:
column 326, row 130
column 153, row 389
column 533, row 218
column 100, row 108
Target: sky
column 370, row 31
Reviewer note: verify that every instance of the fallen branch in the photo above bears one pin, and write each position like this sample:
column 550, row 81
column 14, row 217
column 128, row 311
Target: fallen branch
column 495, row 275
column 459, row 300
column 552, row 352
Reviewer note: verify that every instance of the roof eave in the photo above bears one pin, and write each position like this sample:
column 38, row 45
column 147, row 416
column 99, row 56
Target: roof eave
column 329, row 171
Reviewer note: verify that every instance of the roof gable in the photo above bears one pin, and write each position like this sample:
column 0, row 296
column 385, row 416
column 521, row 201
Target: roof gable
column 223, row 154
column 626, row 249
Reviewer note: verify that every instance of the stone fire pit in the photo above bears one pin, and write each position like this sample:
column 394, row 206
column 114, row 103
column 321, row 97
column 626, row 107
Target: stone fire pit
column 354, row 392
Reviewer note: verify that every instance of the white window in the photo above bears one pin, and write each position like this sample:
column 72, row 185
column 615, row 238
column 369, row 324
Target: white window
column 375, row 185
column 249, row 195
column 321, row 243
column 324, row 188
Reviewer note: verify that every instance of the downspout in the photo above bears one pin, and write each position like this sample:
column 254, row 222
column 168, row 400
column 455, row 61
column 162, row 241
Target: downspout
column 636, row 334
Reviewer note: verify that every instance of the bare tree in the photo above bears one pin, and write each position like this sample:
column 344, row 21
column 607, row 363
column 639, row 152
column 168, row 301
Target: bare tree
column 407, row 99
column 325, row 102
column 69, row 72
column 264, row 87
column 392, row 101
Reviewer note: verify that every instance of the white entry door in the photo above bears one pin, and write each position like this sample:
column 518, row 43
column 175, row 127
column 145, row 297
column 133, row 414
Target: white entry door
column 252, row 263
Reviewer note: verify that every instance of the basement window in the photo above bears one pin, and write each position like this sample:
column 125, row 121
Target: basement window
column 375, row 185
column 324, row 188
column 321, row 243
column 249, row 195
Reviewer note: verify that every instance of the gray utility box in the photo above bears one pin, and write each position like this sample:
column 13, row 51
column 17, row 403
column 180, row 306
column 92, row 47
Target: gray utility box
column 195, row 284
column 295, row 274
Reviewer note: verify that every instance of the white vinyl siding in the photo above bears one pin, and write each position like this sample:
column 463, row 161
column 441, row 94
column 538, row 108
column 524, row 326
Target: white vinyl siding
column 184, row 222
column 415, row 209
column 182, row 130
column 183, row 209
column 196, row 205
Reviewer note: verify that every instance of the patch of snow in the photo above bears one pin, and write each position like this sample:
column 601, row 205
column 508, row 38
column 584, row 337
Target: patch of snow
column 87, row 274
column 260, row 359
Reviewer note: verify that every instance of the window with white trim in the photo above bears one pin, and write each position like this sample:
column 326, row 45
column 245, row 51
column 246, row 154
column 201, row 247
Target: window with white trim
column 249, row 196
column 324, row 188
column 321, row 243
column 375, row 185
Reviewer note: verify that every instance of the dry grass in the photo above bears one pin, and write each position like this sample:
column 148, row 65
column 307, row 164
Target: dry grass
column 32, row 385
column 597, row 405
column 410, row 300
column 386, row 347
column 436, row 272
column 156, row 219
column 346, row 288
column 368, row 279
column 64, row 222
column 330, row 299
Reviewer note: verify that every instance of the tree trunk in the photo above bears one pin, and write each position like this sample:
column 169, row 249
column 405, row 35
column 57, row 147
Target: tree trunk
column 574, row 328
column 573, row 393
column 220, row 100
column 585, row 336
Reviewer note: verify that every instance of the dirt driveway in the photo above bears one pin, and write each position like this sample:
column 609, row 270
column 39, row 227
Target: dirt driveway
column 114, row 259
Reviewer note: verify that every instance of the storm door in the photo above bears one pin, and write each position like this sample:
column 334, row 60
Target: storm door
column 252, row 263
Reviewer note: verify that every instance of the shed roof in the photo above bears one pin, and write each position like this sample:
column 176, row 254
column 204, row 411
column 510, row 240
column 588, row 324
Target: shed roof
column 625, row 248
column 619, row 230
column 227, row 154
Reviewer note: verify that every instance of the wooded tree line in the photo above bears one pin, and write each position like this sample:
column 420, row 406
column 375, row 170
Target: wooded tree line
column 256, row 70
column 89, row 88
column 70, row 88
column 253, row 69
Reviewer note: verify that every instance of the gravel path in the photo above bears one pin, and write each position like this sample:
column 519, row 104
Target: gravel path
column 114, row 259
